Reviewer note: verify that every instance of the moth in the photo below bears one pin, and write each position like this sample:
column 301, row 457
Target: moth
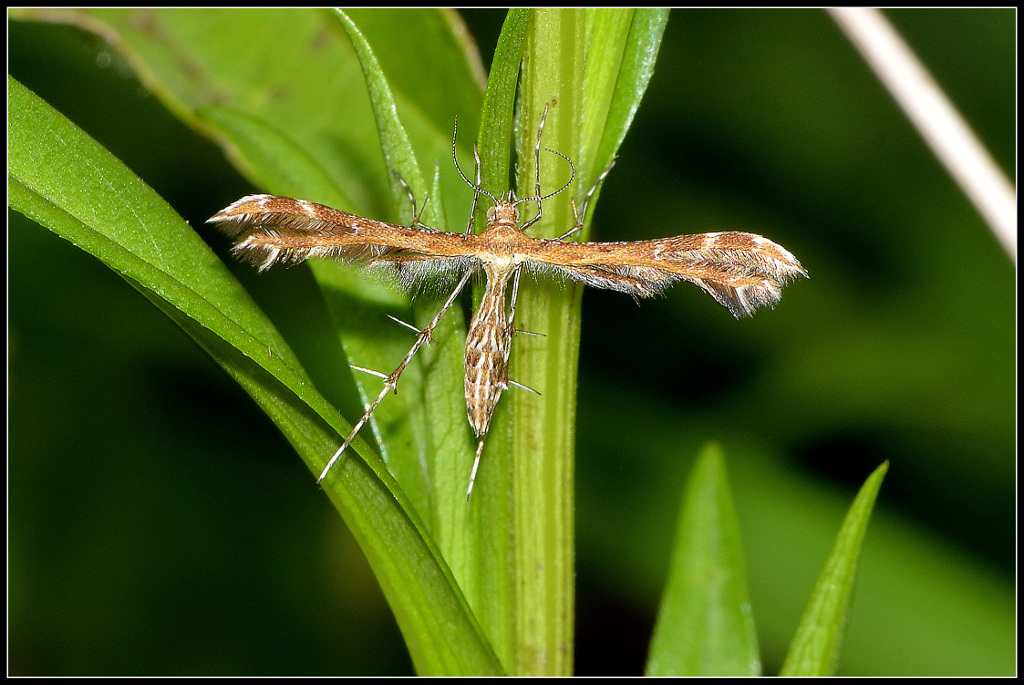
column 742, row 271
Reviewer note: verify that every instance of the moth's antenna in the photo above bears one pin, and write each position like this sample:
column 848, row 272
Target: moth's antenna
column 476, row 188
column 550, row 195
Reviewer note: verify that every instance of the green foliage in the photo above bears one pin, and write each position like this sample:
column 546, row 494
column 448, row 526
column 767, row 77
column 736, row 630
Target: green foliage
column 706, row 626
column 815, row 647
column 530, row 623
column 486, row 587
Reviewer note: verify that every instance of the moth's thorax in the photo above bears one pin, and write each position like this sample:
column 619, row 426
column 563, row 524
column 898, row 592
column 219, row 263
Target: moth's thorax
column 501, row 246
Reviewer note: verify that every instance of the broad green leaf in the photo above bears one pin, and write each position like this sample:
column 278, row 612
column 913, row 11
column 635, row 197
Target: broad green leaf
column 815, row 647
column 62, row 179
column 241, row 108
column 433, row 431
column 302, row 126
column 306, row 127
column 705, row 626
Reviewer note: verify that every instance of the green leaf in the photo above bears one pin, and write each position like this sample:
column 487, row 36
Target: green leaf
column 815, row 647
column 636, row 66
column 62, row 179
column 430, row 447
column 705, row 626
column 561, row 51
column 951, row 613
column 479, row 538
column 322, row 121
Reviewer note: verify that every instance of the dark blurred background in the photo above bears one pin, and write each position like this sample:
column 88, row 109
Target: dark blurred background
column 159, row 524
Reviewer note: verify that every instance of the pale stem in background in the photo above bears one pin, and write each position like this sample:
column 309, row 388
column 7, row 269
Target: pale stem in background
column 942, row 127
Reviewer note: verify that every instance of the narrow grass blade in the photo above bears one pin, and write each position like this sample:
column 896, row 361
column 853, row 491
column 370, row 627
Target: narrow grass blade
column 815, row 647
column 705, row 626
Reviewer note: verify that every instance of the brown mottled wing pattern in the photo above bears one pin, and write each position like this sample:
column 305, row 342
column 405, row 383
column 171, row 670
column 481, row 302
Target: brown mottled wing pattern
column 742, row 271
column 268, row 230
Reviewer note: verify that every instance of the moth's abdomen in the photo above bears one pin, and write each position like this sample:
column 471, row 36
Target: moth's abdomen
column 488, row 342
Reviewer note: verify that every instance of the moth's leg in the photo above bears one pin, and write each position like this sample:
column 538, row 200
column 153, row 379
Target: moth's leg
column 537, row 196
column 476, row 465
column 476, row 186
column 416, row 214
column 581, row 216
column 512, row 330
column 511, row 325
column 536, row 153
column 536, row 163
column 391, row 381
column 513, row 297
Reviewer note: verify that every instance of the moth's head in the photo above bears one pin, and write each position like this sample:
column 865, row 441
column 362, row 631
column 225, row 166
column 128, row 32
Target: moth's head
column 504, row 211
